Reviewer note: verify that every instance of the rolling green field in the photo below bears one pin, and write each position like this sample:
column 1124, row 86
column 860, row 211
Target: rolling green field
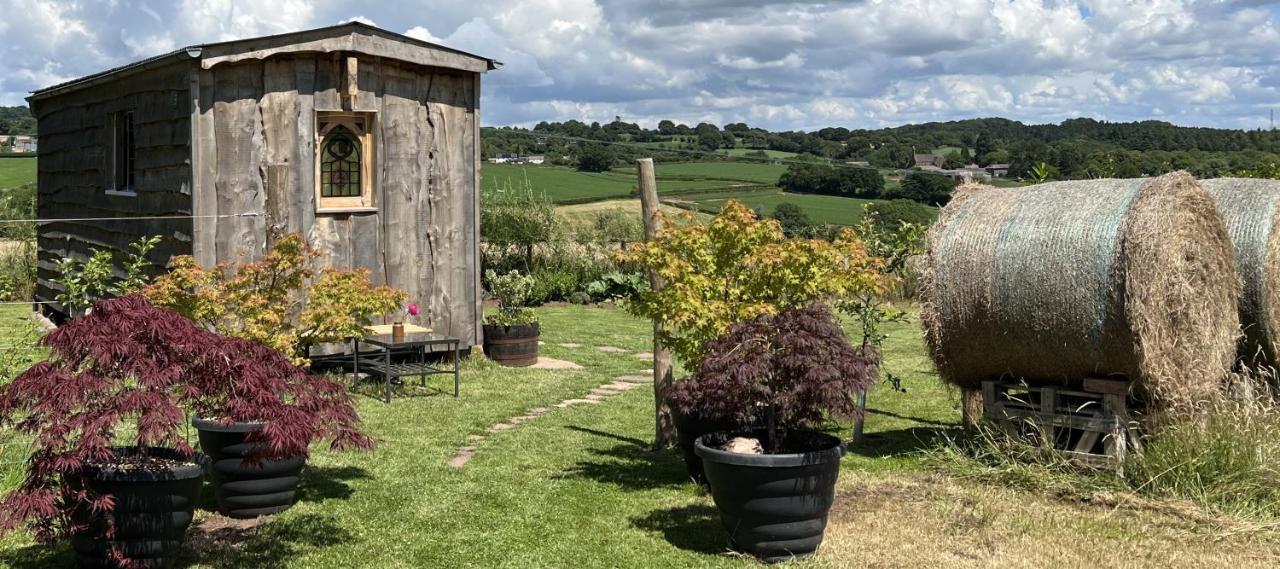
column 750, row 172
column 745, row 151
column 824, row 210
column 16, row 172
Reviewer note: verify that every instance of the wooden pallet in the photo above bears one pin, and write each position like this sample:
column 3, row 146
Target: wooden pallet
column 1090, row 425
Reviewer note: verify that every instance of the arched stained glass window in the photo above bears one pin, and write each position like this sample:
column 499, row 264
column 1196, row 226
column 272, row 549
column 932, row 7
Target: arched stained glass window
column 340, row 164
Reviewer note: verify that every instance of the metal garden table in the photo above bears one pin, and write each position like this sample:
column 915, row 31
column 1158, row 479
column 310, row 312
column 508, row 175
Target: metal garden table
column 412, row 358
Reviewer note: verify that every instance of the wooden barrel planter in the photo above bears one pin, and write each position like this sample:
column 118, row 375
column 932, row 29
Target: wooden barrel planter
column 512, row 346
column 245, row 490
column 153, row 507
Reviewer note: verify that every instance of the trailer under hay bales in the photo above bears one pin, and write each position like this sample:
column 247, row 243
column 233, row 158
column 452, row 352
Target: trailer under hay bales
column 1251, row 210
column 1054, row 283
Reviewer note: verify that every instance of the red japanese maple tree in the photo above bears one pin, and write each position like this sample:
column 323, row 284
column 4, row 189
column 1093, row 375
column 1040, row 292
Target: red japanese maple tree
column 126, row 374
column 785, row 371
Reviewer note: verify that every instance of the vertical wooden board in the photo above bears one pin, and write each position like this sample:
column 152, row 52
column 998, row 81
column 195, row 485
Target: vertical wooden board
column 327, row 82
column 331, row 237
column 280, row 145
column 366, row 229
column 205, row 196
column 237, row 129
column 400, row 183
column 451, row 219
column 473, row 199
column 302, row 204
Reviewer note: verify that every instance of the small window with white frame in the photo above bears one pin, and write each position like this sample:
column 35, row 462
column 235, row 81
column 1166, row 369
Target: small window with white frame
column 344, row 161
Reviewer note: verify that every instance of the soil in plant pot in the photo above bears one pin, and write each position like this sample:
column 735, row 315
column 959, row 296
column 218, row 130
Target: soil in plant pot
column 688, row 429
column 774, row 506
column 512, row 346
column 155, row 496
column 247, row 490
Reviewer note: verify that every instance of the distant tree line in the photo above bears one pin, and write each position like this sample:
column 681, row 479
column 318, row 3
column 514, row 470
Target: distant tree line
column 16, row 120
column 1075, row 148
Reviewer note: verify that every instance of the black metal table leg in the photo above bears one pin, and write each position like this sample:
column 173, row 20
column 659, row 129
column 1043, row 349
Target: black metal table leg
column 388, row 375
column 455, row 371
column 355, row 364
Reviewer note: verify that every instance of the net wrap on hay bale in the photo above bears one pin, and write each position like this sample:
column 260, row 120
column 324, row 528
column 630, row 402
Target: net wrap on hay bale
column 1251, row 209
column 1055, row 282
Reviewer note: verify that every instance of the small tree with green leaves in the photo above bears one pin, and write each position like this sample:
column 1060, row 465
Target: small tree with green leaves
column 514, row 292
column 82, row 282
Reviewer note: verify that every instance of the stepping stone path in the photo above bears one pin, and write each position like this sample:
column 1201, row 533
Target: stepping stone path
column 595, row 397
column 644, row 356
column 610, row 349
column 552, row 363
column 570, row 345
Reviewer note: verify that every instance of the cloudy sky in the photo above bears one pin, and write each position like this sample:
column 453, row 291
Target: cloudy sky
column 775, row 64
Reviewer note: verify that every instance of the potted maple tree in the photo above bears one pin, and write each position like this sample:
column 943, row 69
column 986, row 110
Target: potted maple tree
column 256, row 415
column 786, row 373
column 732, row 269
column 511, row 335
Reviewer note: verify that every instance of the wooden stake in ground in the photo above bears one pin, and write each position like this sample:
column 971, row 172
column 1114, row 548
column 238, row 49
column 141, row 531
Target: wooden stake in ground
column 971, row 407
column 664, row 430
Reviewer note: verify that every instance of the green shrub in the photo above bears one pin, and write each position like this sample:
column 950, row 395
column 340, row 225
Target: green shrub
column 894, row 212
column 614, row 286
column 932, row 189
column 580, row 297
column 17, row 270
column 514, row 221
column 514, row 292
column 552, row 285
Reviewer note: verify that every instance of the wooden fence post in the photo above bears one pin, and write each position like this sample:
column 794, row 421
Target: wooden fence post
column 664, row 430
column 971, row 407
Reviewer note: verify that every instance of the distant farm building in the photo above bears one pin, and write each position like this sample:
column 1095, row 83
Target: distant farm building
column 364, row 141
column 22, row 143
column 517, row 159
column 934, row 160
column 997, row 170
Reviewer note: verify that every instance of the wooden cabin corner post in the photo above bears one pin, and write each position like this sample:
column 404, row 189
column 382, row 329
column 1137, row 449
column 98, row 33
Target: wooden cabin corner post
column 664, row 428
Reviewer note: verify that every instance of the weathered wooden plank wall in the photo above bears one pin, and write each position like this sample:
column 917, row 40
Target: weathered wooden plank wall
column 75, row 169
column 422, row 238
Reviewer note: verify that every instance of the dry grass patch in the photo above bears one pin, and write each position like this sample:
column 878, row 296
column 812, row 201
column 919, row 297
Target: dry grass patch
column 929, row 520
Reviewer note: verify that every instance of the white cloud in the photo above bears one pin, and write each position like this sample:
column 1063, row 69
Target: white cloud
column 767, row 62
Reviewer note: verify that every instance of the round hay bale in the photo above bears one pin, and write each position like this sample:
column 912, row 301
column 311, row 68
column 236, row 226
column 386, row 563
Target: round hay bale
column 1251, row 210
column 1055, row 282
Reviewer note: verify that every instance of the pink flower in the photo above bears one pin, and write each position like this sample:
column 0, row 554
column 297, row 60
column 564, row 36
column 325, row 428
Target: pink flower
column 413, row 310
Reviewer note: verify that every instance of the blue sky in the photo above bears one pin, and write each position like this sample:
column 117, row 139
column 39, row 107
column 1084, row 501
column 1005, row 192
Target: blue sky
column 781, row 65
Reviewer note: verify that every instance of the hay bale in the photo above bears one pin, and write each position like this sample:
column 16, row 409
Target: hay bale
column 1054, row 282
column 1251, row 209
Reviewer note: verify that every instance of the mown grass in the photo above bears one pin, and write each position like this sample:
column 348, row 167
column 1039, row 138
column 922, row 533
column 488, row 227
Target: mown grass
column 580, row 487
column 822, row 210
column 16, row 172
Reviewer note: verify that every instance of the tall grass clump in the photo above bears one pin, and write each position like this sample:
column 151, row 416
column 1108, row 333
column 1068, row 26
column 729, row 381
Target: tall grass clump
column 1226, row 459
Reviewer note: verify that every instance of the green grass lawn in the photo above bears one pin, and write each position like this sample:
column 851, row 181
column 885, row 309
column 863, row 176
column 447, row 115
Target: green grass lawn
column 16, row 172
column 578, row 487
column 745, row 151
column 823, row 210
column 581, row 487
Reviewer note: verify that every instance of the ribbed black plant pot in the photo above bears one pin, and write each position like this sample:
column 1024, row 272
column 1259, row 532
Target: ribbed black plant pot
column 246, row 490
column 688, row 429
column 774, row 506
column 512, row 346
column 153, row 508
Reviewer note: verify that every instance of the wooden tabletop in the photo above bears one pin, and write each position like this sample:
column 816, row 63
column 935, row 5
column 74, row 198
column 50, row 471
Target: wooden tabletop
column 382, row 329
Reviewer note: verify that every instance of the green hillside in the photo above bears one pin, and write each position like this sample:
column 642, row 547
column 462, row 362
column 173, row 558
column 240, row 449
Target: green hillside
column 16, row 172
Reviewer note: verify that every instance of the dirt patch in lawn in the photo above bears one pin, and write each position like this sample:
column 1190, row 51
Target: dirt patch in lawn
column 930, row 520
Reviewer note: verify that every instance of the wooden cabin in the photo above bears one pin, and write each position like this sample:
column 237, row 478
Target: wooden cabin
column 363, row 140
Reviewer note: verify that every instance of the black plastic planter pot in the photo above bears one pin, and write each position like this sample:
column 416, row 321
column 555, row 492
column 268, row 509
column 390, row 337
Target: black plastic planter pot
column 153, row 508
column 512, row 346
column 688, row 429
column 245, row 490
column 774, row 506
